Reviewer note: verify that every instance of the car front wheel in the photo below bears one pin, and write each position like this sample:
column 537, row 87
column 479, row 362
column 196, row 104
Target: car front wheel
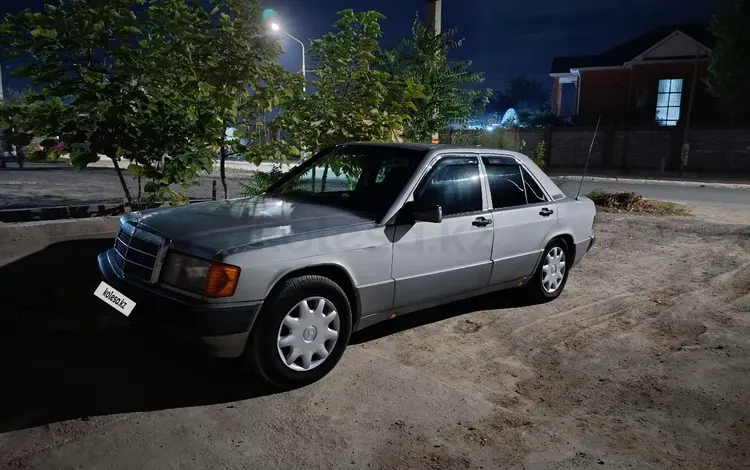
column 302, row 332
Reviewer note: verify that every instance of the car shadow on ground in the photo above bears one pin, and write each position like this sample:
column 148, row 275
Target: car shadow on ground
column 493, row 301
column 65, row 355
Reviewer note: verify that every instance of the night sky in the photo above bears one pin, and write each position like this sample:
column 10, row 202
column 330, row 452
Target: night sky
column 502, row 37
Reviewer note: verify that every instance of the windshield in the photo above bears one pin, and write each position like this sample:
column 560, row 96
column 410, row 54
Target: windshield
column 362, row 178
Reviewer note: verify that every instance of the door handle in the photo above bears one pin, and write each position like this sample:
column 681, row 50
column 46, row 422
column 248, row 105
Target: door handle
column 481, row 222
column 546, row 212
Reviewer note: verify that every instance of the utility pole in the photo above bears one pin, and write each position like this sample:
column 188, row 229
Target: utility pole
column 436, row 15
column 685, row 149
column 435, row 22
column 2, row 98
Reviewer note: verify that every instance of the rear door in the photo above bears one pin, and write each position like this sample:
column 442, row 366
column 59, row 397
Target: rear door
column 523, row 215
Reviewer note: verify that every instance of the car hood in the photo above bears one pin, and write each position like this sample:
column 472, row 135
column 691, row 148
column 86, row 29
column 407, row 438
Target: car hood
column 206, row 229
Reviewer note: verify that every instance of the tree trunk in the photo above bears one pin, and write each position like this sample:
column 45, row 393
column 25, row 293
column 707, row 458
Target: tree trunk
column 122, row 182
column 323, row 179
column 20, row 156
column 222, row 169
column 139, row 190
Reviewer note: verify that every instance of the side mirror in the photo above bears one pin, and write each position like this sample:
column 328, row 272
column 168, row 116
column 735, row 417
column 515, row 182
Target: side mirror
column 425, row 212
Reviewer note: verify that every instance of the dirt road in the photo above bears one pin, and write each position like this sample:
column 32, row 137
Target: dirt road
column 644, row 362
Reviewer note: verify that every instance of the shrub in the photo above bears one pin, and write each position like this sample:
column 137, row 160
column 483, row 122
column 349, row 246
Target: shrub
column 631, row 202
column 503, row 138
column 44, row 155
column 37, row 156
column 539, row 154
column 260, row 181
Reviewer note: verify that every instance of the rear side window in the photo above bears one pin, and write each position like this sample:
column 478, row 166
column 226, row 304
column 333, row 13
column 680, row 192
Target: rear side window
column 534, row 193
column 505, row 181
column 454, row 185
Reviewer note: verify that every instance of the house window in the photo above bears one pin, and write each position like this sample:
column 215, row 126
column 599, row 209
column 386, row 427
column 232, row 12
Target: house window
column 668, row 102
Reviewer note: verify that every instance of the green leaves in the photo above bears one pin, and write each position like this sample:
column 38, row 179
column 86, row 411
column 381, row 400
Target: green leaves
column 352, row 100
column 79, row 158
column 729, row 70
column 437, row 86
column 44, row 33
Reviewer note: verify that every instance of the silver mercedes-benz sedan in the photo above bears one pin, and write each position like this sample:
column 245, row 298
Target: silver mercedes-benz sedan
column 353, row 236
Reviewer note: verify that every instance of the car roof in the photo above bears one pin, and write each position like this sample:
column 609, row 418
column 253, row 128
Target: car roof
column 424, row 147
column 538, row 173
column 403, row 145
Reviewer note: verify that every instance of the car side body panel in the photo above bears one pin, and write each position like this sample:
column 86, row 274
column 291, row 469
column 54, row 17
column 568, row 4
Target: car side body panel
column 364, row 252
column 439, row 260
column 576, row 219
column 520, row 236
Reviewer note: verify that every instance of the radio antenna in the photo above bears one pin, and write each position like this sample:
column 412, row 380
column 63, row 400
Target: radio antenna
column 586, row 167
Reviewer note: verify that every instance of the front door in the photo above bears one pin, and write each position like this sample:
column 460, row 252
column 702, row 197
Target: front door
column 523, row 216
column 438, row 260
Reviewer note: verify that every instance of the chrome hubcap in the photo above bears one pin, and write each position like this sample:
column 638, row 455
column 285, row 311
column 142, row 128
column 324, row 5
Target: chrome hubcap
column 553, row 269
column 308, row 334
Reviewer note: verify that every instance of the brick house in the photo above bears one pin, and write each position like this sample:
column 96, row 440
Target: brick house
column 649, row 78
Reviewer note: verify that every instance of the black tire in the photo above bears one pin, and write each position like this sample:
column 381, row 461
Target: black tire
column 535, row 290
column 261, row 351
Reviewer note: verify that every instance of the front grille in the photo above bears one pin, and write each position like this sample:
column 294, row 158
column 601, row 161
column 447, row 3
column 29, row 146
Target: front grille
column 137, row 253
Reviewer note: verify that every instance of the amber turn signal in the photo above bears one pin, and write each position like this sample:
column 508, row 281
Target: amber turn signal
column 221, row 280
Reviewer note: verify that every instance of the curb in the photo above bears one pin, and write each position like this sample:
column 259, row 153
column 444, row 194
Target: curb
column 78, row 212
column 693, row 184
column 105, row 162
column 36, row 214
column 47, row 231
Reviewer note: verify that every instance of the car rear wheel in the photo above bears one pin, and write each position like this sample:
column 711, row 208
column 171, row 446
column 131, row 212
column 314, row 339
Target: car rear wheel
column 302, row 332
column 551, row 275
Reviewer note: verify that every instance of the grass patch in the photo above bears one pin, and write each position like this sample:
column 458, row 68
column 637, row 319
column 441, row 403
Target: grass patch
column 621, row 201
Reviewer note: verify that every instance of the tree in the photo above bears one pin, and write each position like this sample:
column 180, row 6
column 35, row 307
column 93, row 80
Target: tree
column 729, row 67
column 16, row 121
column 521, row 92
column 249, row 81
column 133, row 77
column 424, row 59
column 73, row 53
column 23, row 122
column 353, row 99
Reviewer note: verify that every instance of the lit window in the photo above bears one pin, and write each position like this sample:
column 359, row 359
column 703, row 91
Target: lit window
column 668, row 102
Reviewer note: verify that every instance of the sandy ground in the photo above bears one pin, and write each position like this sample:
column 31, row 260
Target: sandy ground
column 643, row 362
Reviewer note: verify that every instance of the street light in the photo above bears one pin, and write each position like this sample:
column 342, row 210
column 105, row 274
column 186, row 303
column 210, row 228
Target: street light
column 277, row 28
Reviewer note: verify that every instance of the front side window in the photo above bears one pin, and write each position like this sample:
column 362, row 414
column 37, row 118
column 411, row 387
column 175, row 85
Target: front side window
column 505, row 181
column 362, row 178
column 453, row 184
column 668, row 102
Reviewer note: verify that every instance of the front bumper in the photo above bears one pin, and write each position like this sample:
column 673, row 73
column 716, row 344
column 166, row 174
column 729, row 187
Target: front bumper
column 223, row 328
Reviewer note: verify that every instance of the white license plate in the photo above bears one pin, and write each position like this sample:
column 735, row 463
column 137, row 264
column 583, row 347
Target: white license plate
column 114, row 298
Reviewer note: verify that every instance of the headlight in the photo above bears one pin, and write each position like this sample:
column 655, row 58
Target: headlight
column 199, row 276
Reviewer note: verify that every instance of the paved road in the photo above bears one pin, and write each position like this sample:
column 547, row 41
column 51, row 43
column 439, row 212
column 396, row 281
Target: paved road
column 686, row 194
column 59, row 184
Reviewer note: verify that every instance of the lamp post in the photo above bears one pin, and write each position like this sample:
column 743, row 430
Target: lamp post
column 277, row 28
